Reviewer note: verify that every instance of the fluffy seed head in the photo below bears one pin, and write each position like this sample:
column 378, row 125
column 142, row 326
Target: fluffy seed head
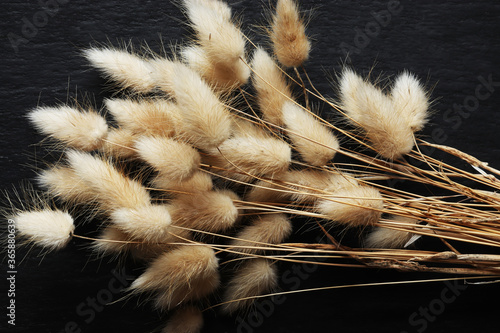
column 410, row 100
column 119, row 143
column 221, row 44
column 356, row 206
column 390, row 238
column 206, row 123
column 51, row 229
column 271, row 229
column 64, row 183
column 111, row 188
column 148, row 222
column 254, row 278
column 199, row 182
column 185, row 320
column 176, row 159
column 270, row 85
column 145, row 117
column 315, row 142
column 212, row 211
column 129, row 70
column 389, row 125
column 288, row 35
column 78, row 129
column 186, row 273
column 250, row 152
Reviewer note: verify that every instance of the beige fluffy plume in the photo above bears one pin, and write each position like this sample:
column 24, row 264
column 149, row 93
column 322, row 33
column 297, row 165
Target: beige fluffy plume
column 146, row 116
column 206, row 122
column 130, row 70
column 270, row 85
column 267, row 229
column 288, row 34
column 389, row 122
column 390, row 238
column 254, row 277
column 187, row 273
column 315, row 142
column 220, row 53
column 78, row 129
column 51, row 229
column 185, row 320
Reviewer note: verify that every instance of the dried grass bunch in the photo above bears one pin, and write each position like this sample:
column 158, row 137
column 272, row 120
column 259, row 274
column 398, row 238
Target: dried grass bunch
column 230, row 152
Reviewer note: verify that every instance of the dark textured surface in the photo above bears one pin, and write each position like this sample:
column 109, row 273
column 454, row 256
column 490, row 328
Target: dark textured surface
column 450, row 44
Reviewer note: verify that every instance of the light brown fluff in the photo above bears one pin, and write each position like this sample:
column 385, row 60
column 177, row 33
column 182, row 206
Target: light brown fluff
column 200, row 181
column 250, row 152
column 205, row 121
column 176, row 159
column 51, row 229
column 145, row 117
column 314, row 141
column 288, row 35
column 125, row 200
column 268, row 229
column 254, row 277
column 390, row 238
column 83, row 130
column 388, row 121
column 220, row 51
column 270, row 85
column 64, row 183
column 212, row 211
column 187, row 273
column 119, row 143
column 111, row 188
column 130, row 70
column 185, row 320
column 356, row 206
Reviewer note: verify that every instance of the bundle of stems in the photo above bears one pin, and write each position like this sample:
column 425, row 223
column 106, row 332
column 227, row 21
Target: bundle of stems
column 229, row 168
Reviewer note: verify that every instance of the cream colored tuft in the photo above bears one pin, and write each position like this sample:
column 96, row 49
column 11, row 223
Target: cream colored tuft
column 390, row 238
column 111, row 188
column 389, row 122
column 129, row 70
column 220, row 57
column 269, row 229
column 185, row 320
column 254, row 277
column 356, row 206
column 270, row 85
column 206, row 122
column 250, row 152
column 64, row 183
column 212, row 211
column 148, row 222
column 145, row 117
column 187, row 273
column 315, row 142
column 78, row 129
column 288, row 35
column 176, row 159
column 51, row 229
column 410, row 100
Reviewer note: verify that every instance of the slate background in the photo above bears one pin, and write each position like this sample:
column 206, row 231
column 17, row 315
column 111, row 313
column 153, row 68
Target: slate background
column 449, row 44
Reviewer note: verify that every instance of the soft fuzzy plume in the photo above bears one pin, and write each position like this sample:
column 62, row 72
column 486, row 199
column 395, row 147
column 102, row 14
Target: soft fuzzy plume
column 51, row 229
column 187, row 273
column 288, row 34
column 254, row 277
column 83, row 130
column 220, row 53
